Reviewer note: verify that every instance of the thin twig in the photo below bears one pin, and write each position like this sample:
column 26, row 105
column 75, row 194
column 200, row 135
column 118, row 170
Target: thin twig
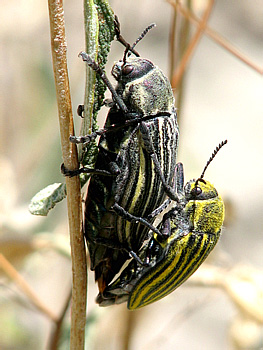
column 177, row 76
column 55, row 337
column 70, row 159
column 130, row 322
column 182, row 35
column 216, row 37
column 172, row 44
column 11, row 272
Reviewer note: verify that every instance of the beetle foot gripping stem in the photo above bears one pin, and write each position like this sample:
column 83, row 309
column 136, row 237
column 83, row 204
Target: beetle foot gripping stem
column 91, row 137
column 83, row 139
column 70, row 173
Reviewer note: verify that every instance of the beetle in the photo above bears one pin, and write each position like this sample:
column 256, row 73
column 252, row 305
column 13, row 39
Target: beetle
column 125, row 173
column 187, row 234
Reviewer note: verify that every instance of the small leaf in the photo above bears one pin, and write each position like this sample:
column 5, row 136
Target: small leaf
column 47, row 198
column 99, row 29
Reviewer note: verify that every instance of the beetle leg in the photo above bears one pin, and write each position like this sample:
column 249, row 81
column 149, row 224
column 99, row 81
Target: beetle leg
column 138, row 259
column 178, row 187
column 94, row 65
column 87, row 138
column 133, row 119
column 160, row 209
column 179, row 178
column 71, row 173
column 129, row 217
column 117, row 245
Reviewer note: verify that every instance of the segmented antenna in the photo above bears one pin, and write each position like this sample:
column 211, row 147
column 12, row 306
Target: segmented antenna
column 212, row 157
column 146, row 30
column 129, row 48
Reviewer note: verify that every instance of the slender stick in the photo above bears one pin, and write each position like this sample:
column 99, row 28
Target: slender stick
column 55, row 336
column 182, row 42
column 216, row 37
column 177, row 76
column 172, row 43
column 70, row 159
column 11, row 272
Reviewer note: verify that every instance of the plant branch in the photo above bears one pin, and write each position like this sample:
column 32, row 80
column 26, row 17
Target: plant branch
column 11, row 272
column 177, row 76
column 70, row 159
column 215, row 36
column 172, row 43
column 55, row 337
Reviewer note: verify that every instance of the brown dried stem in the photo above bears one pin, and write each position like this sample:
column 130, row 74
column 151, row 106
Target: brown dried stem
column 177, row 76
column 70, row 159
column 172, row 44
column 55, row 337
column 179, row 39
column 11, row 272
column 215, row 36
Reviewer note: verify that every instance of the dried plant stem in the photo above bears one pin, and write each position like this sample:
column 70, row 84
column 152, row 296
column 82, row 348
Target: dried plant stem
column 70, row 158
column 11, row 272
column 130, row 322
column 177, row 76
column 172, row 44
column 215, row 36
column 179, row 35
column 55, row 337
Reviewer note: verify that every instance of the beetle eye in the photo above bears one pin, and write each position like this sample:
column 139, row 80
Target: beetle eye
column 127, row 69
column 196, row 191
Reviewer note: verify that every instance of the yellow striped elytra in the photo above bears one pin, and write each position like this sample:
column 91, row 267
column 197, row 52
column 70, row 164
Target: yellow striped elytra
column 187, row 234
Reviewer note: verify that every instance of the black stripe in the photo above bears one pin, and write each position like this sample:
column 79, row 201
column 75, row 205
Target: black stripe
column 197, row 256
column 153, row 196
column 165, row 264
column 168, row 282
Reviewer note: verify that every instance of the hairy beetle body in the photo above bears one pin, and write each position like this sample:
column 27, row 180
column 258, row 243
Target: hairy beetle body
column 189, row 234
column 137, row 187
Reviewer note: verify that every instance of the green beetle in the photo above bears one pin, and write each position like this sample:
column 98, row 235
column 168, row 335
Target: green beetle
column 185, row 237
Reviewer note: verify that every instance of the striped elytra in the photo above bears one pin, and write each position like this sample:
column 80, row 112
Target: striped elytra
column 189, row 232
column 137, row 188
column 183, row 258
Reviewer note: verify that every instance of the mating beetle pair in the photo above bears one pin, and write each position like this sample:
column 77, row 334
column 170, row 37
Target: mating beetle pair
column 133, row 174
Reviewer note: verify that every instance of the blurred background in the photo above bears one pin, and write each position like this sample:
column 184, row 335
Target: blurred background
column 221, row 306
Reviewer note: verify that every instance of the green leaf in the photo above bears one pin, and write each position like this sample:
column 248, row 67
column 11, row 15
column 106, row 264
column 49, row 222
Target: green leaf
column 47, row 198
column 99, row 32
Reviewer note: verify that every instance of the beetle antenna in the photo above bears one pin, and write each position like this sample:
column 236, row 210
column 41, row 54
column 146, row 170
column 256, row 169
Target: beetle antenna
column 146, row 30
column 130, row 49
column 212, row 157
